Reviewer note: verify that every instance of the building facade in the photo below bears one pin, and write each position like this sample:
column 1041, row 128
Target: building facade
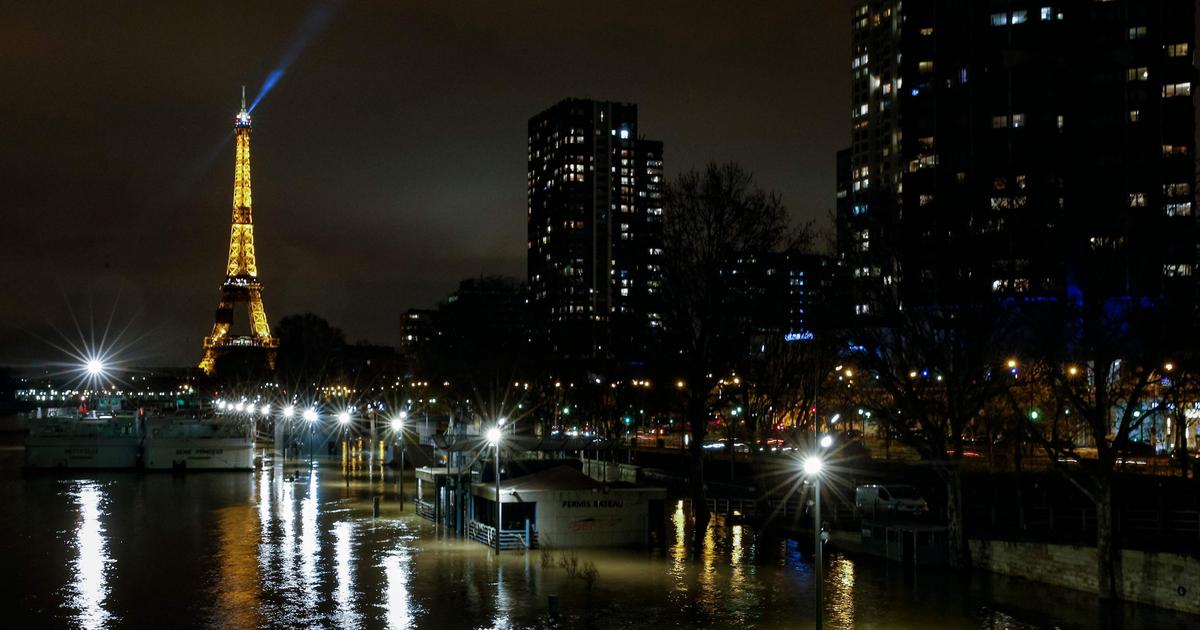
column 1045, row 151
column 594, row 231
column 782, row 294
column 868, row 208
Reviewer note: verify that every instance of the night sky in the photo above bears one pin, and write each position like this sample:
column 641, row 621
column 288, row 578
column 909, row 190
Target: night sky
column 388, row 162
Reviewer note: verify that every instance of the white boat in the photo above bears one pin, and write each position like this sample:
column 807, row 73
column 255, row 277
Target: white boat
column 63, row 442
column 198, row 445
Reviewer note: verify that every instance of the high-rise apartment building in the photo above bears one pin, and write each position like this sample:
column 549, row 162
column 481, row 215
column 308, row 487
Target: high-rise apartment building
column 1021, row 150
column 868, row 209
column 595, row 231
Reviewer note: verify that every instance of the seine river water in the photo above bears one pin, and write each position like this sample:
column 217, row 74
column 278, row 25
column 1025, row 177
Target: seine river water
column 254, row 550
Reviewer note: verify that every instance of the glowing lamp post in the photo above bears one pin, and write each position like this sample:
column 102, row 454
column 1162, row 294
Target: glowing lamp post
column 310, row 416
column 398, row 431
column 288, row 413
column 493, row 438
column 94, row 369
column 813, row 466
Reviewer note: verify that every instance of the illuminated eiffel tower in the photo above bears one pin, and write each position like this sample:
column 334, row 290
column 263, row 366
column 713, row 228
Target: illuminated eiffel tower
column 241, row 273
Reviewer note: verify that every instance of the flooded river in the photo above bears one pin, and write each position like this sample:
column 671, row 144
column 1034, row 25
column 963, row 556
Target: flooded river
column 252, row 549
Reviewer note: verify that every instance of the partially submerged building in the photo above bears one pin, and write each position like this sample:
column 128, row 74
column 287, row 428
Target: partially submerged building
column 543, row 502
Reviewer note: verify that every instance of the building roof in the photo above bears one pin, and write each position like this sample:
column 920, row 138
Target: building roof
column 557, row 478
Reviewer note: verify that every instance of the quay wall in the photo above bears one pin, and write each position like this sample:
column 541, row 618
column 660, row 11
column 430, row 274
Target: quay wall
column 1158, row 579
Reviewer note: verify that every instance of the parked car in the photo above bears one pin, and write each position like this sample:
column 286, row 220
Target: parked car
column 875, row 500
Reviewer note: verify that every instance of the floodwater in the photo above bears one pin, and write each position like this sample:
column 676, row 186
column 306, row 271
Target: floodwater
column 240, row 550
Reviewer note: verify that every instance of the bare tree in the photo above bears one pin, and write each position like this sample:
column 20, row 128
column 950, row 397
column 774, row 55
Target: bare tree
column 927, row 377
column 1108, row 369
column 712, row 217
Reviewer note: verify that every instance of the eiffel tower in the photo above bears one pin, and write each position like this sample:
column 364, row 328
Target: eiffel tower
column 241, row 272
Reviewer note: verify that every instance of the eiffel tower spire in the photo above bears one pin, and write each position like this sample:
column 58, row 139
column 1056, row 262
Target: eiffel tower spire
column 241, row 271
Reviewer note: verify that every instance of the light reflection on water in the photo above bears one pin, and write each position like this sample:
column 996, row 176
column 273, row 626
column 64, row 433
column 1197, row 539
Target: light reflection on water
column 308, row 546
column 89, row 587
column 348, row 614
column 256, row 551
column 397, row 599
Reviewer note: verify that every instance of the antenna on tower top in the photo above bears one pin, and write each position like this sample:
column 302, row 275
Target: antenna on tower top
column 243, row 98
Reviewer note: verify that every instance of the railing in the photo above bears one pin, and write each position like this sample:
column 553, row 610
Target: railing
column 1148, row 529
column 509, row 538
column 425, row 509
column 832, row 511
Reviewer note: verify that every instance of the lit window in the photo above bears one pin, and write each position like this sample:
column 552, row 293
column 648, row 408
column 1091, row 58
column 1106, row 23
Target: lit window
column 1177, row 50
column 1060, row 121
column 1018, row 17
column 925, row 67
column 1180, row 270
column 1176, row 190
column 1137, row 32
column 1140, row 73
column 1177, row 89
column 1179, row 209
column 999, row 122
column 1018, row 120
column 1137, row 200
column 1135, row 115
column 927, row 31
column 999, row 19
column 1172, row 150
column 1046, row 13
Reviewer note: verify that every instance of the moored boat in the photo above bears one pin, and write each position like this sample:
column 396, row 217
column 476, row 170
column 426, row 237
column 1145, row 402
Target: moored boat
column 83, row 443
column 209, row 444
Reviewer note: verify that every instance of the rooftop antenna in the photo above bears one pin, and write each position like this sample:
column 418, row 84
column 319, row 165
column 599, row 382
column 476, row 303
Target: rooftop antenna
column 243, row 98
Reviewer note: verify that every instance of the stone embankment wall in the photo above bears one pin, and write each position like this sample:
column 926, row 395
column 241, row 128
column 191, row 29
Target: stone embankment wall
column 1158, row 579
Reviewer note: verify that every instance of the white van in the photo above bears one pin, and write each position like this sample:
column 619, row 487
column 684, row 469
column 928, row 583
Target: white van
column 874, row 500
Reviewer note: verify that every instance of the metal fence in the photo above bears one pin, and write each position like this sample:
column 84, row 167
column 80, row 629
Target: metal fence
column 509, row 538
column 425, row 509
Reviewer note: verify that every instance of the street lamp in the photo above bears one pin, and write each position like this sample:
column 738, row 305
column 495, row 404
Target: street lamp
column 813, row 465
column 493, row 438
column 398, row 431
column 310, row 416
column 95, row 369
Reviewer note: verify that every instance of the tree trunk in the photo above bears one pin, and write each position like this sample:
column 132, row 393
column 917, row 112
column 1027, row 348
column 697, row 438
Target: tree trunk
column 1181, row 448
column 1107, row 556
column 700, row 513
column 959, row 552
column 698, row 425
